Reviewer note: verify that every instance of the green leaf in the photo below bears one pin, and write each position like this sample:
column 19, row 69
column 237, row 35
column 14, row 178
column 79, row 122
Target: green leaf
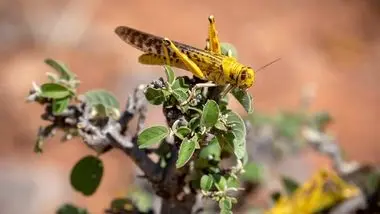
column 372, row 182
column 186, row 150
column 87, row 174
column 259, row 119
column 152, row 135
column 237, row 126
column 104, row 102
column 120, row 203
column 201, row 163
column 233, row 200
column 232, row 182
column 55, row 91
column 71, row 209
column 182, row 132
column 210, row 114
column 220, row 125
column 163, row 149
column 289, row 184
column 220, row 182
column 253, row 172
column 225, row 204
column 206, row 182
column 194, row 123
column 154, row 96
column 226, row 142
column 225, row 47
column 180, row 94
column 101, row 110
column 289, row 124
column 223, row 103
column 179, row 83
column 321, row 119
column 275, row 196
column 169, row 74
column 59, row 105
column 244, row 98
column 142, row 199
column 195, row 138
column 211, row 151
column 102, row 97
column 62, row 69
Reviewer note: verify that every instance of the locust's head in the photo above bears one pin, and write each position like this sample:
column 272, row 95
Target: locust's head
column 246, row 78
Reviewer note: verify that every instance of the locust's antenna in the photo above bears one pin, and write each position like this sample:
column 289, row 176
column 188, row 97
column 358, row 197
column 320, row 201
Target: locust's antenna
column 268, row 64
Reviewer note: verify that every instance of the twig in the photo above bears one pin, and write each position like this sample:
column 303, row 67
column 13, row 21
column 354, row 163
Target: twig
column 136, row 104
column 152, row 171
column 100, row 133
column 327, row 145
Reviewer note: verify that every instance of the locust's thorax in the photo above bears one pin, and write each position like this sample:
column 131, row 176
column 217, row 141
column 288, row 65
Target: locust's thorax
column 246, row 78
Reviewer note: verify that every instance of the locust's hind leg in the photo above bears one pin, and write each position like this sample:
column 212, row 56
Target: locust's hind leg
column 193, row 68
column 166, row 54
column 213, row 40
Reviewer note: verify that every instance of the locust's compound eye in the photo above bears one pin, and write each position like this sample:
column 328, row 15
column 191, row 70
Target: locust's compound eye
column 246, row 78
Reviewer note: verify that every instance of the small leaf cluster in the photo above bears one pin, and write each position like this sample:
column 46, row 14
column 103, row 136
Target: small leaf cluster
column 201, row 123
column 289, row 123
column 62, row 89
column 287, row 128
column 64, row 105
column 205, row 131
column 59, row 92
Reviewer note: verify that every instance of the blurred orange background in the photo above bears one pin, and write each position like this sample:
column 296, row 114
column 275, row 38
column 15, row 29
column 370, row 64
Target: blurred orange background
column 331, row 47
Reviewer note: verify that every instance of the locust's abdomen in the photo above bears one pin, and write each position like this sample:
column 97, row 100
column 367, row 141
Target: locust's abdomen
column 154, row 59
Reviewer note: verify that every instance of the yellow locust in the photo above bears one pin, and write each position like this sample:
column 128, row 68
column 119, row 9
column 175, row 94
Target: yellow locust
column 207, row 64
column 322, row 191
